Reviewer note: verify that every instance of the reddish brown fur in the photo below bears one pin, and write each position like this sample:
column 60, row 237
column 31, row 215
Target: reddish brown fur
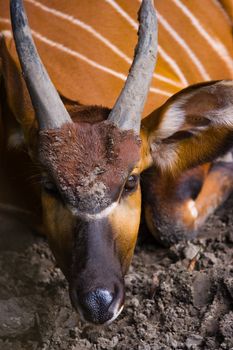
column 95, row 161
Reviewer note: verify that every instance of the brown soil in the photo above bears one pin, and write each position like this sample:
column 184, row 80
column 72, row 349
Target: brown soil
column 168, row 306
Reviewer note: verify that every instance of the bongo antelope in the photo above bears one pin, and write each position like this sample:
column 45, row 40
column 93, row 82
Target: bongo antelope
column 90, row 157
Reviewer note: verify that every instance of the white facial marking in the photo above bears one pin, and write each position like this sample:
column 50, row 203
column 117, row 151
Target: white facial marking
column 228, row 158
column 116, row 314
column 192, row 208
column 102, row 214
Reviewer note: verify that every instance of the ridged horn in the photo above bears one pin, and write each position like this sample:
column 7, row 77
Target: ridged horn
column 49, row 109
column 126, row 113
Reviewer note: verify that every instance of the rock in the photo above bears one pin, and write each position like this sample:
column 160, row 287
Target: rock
column 229, row 284
column 83, row 344
column 226, row 326
column 201, row 289
column 230, row 236
column 191, row 250
column 211, row 257
column 16, row 317
column 135, row 302
column 193, row 341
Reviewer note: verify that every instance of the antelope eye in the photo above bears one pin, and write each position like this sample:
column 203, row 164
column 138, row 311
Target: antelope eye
column 131, row 183
column 50, row 187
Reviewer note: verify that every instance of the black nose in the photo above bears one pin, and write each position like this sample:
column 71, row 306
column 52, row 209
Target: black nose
column 95, row 306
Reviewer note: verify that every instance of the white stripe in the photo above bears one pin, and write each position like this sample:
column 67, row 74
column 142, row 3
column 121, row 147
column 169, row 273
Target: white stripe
column 6, row 33
column 77, row 55
column 224, row 12
column 167, row 80
column 5, row 20
column 89, row 61
column 161, row 92
column 84, row 26
column 184, row 45
column 71, row 52
column 172, row 63
column 98, row 36
column 84, row 58
column 216, row 45
column 123, row 13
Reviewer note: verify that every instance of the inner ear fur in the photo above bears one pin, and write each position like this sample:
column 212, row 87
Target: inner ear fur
column 194, row 126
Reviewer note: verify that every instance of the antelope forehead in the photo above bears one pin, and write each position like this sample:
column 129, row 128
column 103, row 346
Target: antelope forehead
column 89, row 147
column 89, row 163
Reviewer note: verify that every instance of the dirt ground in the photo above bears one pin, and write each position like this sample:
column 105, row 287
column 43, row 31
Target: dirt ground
column 173, row 301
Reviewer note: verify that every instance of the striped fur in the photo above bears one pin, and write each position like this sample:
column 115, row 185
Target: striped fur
column 88, row 48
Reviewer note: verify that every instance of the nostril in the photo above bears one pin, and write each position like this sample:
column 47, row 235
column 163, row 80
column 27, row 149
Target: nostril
column 95, row 305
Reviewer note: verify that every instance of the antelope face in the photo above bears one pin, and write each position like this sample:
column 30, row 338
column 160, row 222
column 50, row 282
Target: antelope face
column 91, row 195
column 91, row 202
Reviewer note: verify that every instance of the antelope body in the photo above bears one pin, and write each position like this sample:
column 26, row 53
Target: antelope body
column 90, row 157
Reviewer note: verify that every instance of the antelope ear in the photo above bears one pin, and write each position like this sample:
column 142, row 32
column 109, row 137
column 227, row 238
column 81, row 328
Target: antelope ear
column 192, row 127
column 17, row 98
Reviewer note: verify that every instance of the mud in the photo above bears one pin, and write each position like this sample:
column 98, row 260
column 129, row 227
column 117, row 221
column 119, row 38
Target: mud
column 177, row 298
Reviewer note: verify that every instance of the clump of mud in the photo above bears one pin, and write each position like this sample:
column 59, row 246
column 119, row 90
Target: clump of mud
column 177, row 298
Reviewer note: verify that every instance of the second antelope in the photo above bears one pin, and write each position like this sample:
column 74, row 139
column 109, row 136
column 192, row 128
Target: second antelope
column 91, row 158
